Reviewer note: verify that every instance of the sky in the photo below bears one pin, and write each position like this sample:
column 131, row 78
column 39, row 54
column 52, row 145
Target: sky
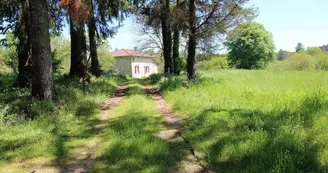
column 289, row 21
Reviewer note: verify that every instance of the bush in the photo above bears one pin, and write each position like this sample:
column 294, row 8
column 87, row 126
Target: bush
column 215, row 63
column 322, row 63
column 297, row 61
column 301, row 61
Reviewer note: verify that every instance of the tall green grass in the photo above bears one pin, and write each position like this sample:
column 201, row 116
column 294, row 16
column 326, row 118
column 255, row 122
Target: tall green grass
column 255, row 121
column 49, row 130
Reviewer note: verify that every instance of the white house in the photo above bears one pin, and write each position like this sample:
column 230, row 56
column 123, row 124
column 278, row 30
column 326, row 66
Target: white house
column 133, row 63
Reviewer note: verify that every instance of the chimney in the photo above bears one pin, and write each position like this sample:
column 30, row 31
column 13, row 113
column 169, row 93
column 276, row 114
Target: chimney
column 135, row 48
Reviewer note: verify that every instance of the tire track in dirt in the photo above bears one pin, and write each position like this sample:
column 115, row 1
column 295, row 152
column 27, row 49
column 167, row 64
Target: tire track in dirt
column 84, row 159
column 172, row 131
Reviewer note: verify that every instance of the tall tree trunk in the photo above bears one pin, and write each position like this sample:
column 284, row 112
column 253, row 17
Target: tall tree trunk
column 167, row 35
column 24, row 47
column 95, row 68
column 42, row 77
column 176, row 43
column 192, row 40
column 78, row 49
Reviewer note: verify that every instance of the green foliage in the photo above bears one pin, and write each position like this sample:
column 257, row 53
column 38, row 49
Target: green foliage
column 299, row 47
column 4, row 69
column 215, row 63
column 282, row 55
column 312, row 58
column 182, row 63
column 61, row 51
column 322, row 63
column 250, row 46
column 10, row 57
column 106, row 60
column 256, row 121
column 301, row 61
column 314, row 51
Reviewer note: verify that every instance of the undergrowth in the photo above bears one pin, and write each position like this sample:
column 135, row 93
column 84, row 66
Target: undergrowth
column 48, row 130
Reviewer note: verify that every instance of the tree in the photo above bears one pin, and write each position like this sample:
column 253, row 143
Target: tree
column 4, row 69
column 282, row 55
column 250, row 46
column 299, row 47
column 78, row 15
column 208, row 18
column 101, row 14
column 105, row 57
column 15, row 17
column 167, row 35
column 324, row 48
column 61, row 50
column 42, row 77
column 158, row 15
column 179, row 16
column 10, row 53
column 95, row 68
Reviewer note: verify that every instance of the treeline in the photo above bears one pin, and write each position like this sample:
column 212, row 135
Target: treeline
column 312, row 58
column 60, row 51
column 33, row 23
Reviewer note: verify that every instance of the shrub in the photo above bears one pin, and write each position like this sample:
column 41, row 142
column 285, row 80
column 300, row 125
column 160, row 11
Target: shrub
column 297, row 61
column 301, row 61
column 215, row 63
column 322, row 63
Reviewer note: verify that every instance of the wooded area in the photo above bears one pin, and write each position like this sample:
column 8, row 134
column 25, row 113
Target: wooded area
column 225, row 100
column 195, row 20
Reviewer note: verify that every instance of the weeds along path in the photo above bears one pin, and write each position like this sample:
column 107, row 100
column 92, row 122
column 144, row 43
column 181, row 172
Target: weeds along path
column 84, row 157
column 172, row 131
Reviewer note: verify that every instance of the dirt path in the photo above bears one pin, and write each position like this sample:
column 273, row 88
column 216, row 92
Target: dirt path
column 84, row 158
column 172, row 131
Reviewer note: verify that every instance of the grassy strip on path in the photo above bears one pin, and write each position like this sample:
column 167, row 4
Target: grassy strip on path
column 44, row 135
column 132, row 143
column 172, row 132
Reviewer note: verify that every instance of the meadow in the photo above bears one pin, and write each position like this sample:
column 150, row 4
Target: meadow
column 49, row 133
column 235, row 121
column 254, row 121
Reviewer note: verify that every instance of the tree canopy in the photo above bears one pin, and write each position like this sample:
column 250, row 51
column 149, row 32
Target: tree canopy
column 299, row 47
column 250, row 46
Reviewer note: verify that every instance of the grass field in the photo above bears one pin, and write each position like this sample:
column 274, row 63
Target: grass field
column 34, row 133
column 255, row 121
column 236, row 121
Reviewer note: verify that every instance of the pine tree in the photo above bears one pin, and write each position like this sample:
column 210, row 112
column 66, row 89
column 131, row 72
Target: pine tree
column 208, row 18
column 42, row 77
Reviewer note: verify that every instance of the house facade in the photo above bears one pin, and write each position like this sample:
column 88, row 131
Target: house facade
column 134, row 64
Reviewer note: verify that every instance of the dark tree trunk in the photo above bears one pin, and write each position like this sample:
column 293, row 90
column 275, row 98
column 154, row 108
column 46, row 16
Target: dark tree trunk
column 95, row 68
column 42, row 77
column 167, row 35
column 176, row 43
column 24, row 47
column 78, row 49
column 192, row 40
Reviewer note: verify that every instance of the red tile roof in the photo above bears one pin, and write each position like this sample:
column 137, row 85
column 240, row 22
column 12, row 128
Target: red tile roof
column 128, row 52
